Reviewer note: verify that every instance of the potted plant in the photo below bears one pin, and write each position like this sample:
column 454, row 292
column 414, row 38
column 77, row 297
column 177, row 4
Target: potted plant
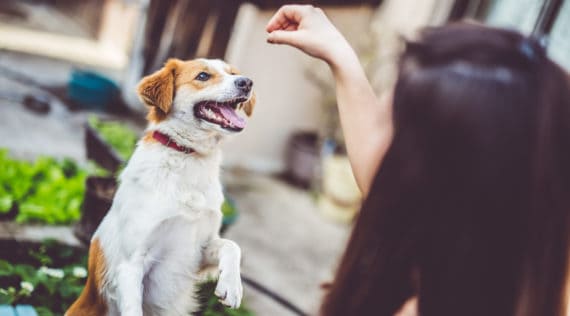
column 99, row 193
column 109, row 145
column 302, row 157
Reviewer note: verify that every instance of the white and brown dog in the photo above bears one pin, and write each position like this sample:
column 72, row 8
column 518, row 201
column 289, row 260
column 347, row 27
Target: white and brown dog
column 162, row 228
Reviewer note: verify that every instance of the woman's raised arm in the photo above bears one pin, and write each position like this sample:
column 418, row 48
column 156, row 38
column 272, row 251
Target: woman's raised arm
column 366, row 120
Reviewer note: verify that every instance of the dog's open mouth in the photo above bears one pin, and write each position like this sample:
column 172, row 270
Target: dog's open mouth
column 221, row 113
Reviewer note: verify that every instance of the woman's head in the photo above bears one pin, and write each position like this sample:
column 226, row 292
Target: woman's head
column 470, row 209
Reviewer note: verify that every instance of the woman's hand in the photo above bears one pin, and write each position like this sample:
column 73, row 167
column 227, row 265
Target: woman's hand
column 308, row 29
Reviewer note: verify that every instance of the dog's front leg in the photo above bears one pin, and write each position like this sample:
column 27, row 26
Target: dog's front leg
column 130, row 286
column 227, row 255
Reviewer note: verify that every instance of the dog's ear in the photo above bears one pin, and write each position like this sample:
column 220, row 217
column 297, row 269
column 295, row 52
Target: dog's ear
column 157, row 90
column 249, row 105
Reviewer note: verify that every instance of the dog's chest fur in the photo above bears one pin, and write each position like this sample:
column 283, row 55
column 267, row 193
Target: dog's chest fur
column 159, row 184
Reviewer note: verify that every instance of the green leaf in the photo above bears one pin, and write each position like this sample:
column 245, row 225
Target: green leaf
column 41, row 256
column 8, row 296
column 6, row 268
column 69, row 167
column 25, row 271
column 50, row 284
column 46, row 191
column 44, row 311
column 70, row 291
column 6, row 203
column 117, row 135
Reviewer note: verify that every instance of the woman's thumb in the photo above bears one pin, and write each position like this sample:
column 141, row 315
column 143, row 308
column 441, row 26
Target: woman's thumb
column 284, row 37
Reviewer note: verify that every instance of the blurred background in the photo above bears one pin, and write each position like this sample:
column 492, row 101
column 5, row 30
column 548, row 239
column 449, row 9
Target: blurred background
column 70, row 118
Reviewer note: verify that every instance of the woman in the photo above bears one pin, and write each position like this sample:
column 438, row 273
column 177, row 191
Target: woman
column 469, row 212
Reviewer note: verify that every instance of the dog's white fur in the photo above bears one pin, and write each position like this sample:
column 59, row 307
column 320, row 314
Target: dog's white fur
column 163, row 225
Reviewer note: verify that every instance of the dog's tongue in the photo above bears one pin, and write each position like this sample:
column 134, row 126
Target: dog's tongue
column 231, row 115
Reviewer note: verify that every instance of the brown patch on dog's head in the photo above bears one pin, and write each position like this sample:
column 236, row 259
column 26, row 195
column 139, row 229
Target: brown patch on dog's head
column 90, row 302
column 232, row 70
column 157, row 90
column 189, row 71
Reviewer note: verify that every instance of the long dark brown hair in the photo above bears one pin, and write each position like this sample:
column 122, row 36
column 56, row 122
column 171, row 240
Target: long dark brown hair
column 470, row 210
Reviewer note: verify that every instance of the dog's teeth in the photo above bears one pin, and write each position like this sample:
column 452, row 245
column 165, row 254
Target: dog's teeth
column 210, row 114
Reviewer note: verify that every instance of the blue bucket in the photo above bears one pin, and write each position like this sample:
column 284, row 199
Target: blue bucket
column 91, row 90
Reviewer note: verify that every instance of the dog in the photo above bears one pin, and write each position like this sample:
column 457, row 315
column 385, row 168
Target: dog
column 162, row 229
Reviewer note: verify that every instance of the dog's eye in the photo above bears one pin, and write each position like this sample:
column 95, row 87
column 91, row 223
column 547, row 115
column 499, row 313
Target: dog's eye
column 203, row 76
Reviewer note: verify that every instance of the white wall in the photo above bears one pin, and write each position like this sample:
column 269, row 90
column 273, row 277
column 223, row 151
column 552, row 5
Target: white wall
column 286, row 100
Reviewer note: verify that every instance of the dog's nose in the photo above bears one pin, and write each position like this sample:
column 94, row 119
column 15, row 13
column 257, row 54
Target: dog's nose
column 244, row 84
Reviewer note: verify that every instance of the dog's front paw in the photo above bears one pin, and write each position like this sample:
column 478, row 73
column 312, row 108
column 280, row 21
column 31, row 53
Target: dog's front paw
column 229, row 289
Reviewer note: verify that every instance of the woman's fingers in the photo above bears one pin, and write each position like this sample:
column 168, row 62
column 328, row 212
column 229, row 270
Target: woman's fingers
column 308, row 29
column 284, row 37
column 287, row 15
column 290, row 26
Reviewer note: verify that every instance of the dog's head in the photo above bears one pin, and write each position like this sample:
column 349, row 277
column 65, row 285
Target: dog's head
column 203, row 93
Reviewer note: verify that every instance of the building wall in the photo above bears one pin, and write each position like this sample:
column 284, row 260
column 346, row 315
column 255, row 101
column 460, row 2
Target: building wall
column 286, row 100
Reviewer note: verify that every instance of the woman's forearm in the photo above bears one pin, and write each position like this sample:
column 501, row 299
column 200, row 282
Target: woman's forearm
column 366, row 120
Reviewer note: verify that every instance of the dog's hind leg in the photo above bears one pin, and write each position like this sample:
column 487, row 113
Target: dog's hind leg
column 227, row 255
column 130, row 286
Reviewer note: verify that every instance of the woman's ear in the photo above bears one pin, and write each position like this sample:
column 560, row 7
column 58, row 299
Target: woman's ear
column 157, row 90
column 249, row 105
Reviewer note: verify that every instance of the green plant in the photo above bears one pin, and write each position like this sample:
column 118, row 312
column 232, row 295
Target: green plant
column 116, row 134
column 50, row 276
column 52, row 288
column 47, row 190
column 228, row 208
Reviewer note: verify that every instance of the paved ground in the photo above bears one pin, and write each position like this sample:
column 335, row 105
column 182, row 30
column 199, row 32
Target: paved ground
column 287, row 247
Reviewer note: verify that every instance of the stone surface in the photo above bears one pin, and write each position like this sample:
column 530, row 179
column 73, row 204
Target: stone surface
column 28, row 134
column 37, row 233
column 287, row 246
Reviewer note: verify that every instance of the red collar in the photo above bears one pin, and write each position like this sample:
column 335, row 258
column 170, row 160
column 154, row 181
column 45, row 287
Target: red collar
column 169, row 142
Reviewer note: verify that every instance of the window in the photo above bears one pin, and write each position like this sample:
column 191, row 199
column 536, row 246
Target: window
column 520, row 15
column 559, row 39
